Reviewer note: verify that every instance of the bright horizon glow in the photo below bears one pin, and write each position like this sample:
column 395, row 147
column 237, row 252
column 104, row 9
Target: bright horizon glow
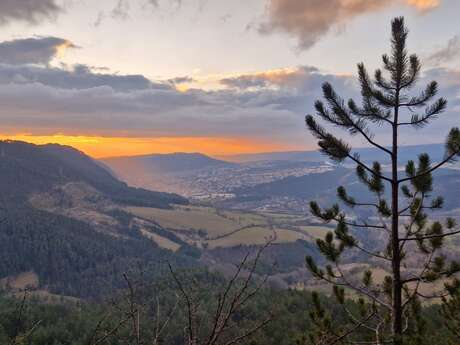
column 105, row 147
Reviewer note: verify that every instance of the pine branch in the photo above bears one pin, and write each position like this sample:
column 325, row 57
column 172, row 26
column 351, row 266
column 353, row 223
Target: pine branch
column 350, row 201
column 381, row 82
column 373, row 254
column 429, row 171
column 357, row 161
column 430, row 91
column 428, row 237
column 408, row 207
column 430, row 113
column 362, row 225
column 369, row 112
column 368, row 92
column 343, row 117
column 415, row 216
column 335, row 148
column 414, row 72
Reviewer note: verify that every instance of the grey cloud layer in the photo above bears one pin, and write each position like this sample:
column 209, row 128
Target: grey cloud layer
column 76, row 77
column 42, row 109
column 36, row 50
column 271, row 106
column 282, row 77
column 79, row 101
column 181, row 80
column 30, row 11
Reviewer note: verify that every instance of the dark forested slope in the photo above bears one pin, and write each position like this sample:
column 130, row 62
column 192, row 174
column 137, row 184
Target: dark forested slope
column 71, row 256
column 27, row 168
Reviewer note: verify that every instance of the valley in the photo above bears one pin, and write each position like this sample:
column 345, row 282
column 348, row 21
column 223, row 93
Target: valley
column 78, row 230
column 73, row 228
column 231, row 209
column 207, row 227
column 281, row 182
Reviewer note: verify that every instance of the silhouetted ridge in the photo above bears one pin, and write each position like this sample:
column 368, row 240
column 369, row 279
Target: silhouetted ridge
column 27, row 168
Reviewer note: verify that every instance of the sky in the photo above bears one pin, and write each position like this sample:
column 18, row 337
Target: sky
column 127, row 77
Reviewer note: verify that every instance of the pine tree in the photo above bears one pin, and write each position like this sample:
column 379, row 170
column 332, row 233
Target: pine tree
column 390, row 307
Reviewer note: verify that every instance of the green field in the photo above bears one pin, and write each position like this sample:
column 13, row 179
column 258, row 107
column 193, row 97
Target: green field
column 161, row 241
column 257, row 235
column 197, row 218
column 315, row 231
column 224, row 228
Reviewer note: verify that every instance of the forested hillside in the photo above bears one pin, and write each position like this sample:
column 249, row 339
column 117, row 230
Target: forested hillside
column 71, row 254
column 27, row 168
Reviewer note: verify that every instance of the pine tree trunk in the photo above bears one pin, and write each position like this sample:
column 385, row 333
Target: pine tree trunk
column 396, row 258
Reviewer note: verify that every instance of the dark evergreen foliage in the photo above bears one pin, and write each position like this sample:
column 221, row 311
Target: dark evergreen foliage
column 70, row 257
column 73, row 323
column 390, row 310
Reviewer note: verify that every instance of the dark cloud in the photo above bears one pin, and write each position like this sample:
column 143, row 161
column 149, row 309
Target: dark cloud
column 121, row 10
column 181, row 80
column 156, row 3
column 309, row 20
column 37, row 50
column 75, row 77
column 446, row 54
column 99, row 19
column 30, row 11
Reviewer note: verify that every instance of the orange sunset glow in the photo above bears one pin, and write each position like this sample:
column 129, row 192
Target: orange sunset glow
column 99, row 147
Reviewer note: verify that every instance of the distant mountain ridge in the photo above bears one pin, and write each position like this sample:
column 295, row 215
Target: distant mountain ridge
column 436, row 152
column 198, row 175
column 162, row 172
column 170, row 163
column 26, row 168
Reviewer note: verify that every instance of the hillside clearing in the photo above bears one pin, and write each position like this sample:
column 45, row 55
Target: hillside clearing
column 161, row 241
column 206, row 219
